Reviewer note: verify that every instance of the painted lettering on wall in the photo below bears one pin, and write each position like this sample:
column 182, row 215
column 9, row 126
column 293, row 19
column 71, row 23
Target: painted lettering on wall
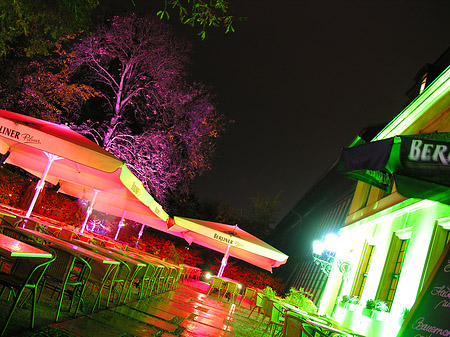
column 447, row 267
column 443, row 292
column 421, row 325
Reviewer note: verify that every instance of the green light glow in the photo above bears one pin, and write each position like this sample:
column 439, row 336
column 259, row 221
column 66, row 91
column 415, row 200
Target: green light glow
column 437, row 90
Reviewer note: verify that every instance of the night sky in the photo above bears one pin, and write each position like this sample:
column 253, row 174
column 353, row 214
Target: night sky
column 301, row 79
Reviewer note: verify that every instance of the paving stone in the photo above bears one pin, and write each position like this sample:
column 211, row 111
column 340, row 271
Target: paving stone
column 197, row 329
column 124, row 323
column 144, row 307
column 187, row 312
column 147, row 319
column 85, row 326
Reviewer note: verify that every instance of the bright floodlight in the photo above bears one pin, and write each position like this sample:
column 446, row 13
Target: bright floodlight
column 207, row 276
column 332, row 242
column 318, row 247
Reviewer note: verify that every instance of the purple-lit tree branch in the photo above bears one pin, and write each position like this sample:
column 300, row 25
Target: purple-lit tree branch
column 164, row 127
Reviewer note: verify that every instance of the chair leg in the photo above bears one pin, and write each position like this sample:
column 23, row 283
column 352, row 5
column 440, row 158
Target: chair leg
column 11, row 311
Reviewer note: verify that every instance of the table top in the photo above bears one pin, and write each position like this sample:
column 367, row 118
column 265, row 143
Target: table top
column 104, row 240
column 109, row 253
column 151, row 258
column 134, row 256
column 326, row 327
column 226, row 279
column 15, row 248
column 83, row 252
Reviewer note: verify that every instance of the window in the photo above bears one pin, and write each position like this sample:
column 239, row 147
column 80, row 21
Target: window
column 363, row 270
column 366, row 195
column 393, row 267
column 423, row 83
column 440, row 238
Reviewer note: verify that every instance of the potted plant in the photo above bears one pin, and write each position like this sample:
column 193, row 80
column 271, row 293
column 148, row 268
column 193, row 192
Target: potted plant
column 349, row 302
column 403, row 315
column 269, row 292
column 299, row 298
column 375, row 308
column 351, row 314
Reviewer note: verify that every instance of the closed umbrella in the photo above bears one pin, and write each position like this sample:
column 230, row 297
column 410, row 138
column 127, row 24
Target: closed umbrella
column 229, row 240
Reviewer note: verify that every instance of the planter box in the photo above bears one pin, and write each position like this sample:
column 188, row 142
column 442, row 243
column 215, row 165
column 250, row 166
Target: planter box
column 352, row 318
column 377, row 324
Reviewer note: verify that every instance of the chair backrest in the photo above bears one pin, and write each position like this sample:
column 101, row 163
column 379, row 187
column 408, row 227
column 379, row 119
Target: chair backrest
column 259, row 298
column 292, row 326
column 62, row 265
column 13, row 233
column 8, row 221
column 277, row 312
column 31, row 269
column 65, row 263
column 232, row 287
column 249, row 293
column 216, row 282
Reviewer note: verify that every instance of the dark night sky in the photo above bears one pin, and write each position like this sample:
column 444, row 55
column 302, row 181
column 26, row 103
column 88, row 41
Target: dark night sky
column 301, row 79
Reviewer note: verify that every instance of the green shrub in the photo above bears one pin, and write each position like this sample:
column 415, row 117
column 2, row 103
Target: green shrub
column 299, row 298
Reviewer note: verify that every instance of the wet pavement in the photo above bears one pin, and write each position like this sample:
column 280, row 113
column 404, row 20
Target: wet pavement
column 187, row 311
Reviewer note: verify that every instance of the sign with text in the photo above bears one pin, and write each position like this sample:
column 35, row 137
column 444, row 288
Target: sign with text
column 430, row 315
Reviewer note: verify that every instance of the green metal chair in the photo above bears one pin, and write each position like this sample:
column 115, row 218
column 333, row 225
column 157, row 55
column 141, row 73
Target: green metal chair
column 249, row 293
column 68, row 274
column 102, row 277
column 259, row 302
column 276, row 318
column 216, row 283
column 26, row 273
column 119, row 277
column 153, row 280
column 232, row 289
column 160, row 282
column 171, row 279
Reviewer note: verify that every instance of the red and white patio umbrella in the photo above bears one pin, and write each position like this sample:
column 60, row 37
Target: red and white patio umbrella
column 44, row 148
column 57, row 154
column 229, row 240
column 121, row 194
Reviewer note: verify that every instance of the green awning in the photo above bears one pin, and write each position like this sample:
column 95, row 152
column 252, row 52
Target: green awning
column 419, row 165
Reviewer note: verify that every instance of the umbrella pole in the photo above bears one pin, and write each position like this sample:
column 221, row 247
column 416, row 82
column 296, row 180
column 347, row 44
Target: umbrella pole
column 41, row 182
column 224, row 262
column 89, row 210
column 139, row 235
column 120, row 225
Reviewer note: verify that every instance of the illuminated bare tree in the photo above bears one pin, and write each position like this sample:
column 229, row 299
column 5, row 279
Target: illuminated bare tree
column 164, row 127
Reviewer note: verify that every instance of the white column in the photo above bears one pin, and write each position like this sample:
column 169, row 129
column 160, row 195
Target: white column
column 41, row 182
column 139, row 235
column 224, row 262
column 120, row 225
column 89, row 211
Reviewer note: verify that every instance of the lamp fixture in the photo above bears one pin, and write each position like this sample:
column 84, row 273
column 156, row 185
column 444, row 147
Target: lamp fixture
column 324, row 255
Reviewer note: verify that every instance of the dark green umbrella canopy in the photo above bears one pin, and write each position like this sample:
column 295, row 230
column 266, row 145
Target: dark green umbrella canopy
column 419, row 165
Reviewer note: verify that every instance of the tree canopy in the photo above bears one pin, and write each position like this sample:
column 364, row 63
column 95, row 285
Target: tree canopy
column 36, row 23
column 152, row 117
